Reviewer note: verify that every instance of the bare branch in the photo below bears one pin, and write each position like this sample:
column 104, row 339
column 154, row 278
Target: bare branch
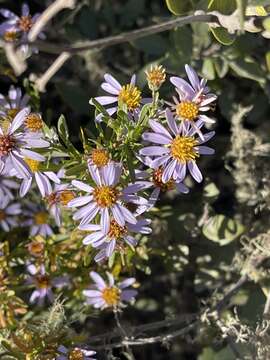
column 127, row 36
column 14, row 58
column 51, row 71
column 47, row 15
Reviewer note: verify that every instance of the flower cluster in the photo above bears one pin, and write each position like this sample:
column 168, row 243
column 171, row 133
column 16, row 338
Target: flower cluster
column 104, row 198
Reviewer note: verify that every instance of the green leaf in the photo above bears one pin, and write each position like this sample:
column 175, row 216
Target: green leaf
column 208, row 69
column 248, row 69
column 221, row 66
column 222, row 36
column 63, row 129
column 222, row 229
column 152, row 45
column 267, row 59
column 224, row 7
column 76, row 169
column 183, row 42
column 178, row 7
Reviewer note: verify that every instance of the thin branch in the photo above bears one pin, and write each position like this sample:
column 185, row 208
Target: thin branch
column 51, row 71
column 15, row 60
column 47, row 15
column 126, row 36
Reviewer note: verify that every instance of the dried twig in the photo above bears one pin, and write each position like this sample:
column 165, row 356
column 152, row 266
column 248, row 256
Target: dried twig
column 47, row 15
column 50, row 72
column 15, row 60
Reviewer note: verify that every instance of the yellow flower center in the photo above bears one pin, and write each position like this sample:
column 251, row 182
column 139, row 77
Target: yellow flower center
column 33, row 122
column 25, row 23
column 116, row 231
column 10, row 36
column 100, row 157
column 187, row 110
column 41, row 218
column 7, row 144
column 105, row 196
column 76, row 354
column 33, row 164
column 155, row 77
column 35, row 248
column 43, row 281
column 111, row 296
column 182, row 148
column 130, row 95
column 2, row 215
column 66, row 196
column 157, row 180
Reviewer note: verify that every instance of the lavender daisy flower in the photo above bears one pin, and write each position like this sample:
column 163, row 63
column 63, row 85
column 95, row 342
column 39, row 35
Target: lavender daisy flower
column 115, row 238
column 75, row 354
column 99, row 157
column 10, row 105
column 6, row 184
column 193, row 99
column 177, row 150
column 59, row 198
column 37, row 220
column 42, row 178
column 109, row 295
column 8, row 213
column 128, row 95
column 105, row 198
column 15, row 145
column 44, row 284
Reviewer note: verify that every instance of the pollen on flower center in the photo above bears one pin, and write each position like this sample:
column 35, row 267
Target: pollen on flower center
column 7, row 144
column 76, row 354
column 66, row 196
column 130, row 95
column 43, row 281
column 10, row 36
column 25, row 23
column 33, row 164
column 41, row 218
column 100, row 157
column 157, row 180
column 33, row 122
column 105, row 196
column 111, row 295
column 187, row 110
column 116, row 231
column 2, row 215
column 182, row 148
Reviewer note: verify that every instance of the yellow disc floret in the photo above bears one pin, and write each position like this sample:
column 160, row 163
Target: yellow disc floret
column 116, row 231
column 33, row 122
column 42, row 281
column 100, row 157
column 66, row 196
column 41, row 218
column 187, row 110
column 155, row 77
column 111, row 295
column 10, row 35
column 76, row 354
column 25, row 23
column 130, row 95
column 157, row 180
column 105, row 196
column 182, row 148
column 33, row 164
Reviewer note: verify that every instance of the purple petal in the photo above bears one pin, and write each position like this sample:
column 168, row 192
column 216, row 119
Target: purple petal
column 156, row 138
column 111, row 80
column 160, row 129
column 195, row 171
column 154, row 151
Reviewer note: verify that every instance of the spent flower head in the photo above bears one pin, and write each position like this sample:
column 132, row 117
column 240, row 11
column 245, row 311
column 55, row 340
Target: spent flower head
column 156, row 76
